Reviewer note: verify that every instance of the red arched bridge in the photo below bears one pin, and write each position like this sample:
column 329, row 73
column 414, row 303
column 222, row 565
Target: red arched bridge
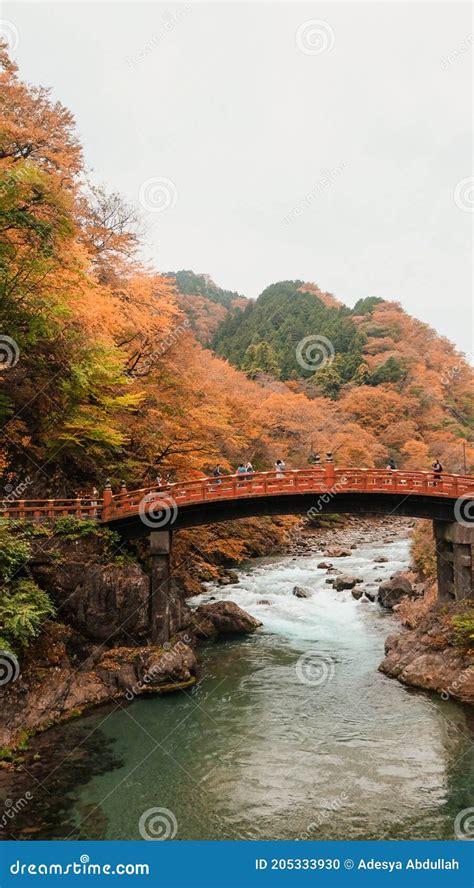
column 448, row 500
column 311, row 490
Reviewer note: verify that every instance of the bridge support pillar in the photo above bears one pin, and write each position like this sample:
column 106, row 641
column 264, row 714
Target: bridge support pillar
column 455, row 560
column 160, row 586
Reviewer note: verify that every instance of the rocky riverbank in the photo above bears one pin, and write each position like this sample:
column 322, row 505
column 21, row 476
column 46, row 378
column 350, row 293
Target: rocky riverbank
column 97, row 650
column 427, row 653
column 430, row 655
column 56, row 684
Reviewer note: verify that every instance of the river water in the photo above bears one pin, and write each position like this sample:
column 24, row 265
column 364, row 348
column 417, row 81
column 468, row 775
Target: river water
column 290, row 733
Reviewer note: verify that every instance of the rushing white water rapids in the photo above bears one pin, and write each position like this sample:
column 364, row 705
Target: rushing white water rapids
column 260, row 750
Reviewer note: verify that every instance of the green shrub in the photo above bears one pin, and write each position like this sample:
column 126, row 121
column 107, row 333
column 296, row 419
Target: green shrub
column 73, row 528
column 464, row 628
column 23, row 610
column 14, row 552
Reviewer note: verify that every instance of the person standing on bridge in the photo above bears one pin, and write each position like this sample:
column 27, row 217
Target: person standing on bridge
column 95, row 500
column 280, row 468
column 217, row 474
column 158, row 480
column 249, row 469
column 437, row 469
column 391, row 465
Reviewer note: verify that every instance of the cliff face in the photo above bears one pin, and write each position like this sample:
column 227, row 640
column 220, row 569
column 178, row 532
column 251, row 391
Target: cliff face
column 98, row 648
column 427, row 655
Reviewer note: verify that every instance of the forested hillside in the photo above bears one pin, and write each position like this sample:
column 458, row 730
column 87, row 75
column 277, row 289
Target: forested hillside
column 204, row 303
column 104, row 372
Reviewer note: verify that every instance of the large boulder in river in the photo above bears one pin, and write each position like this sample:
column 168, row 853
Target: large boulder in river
column 393, row 590
column 222, row 618
column 337, row 552
column 299, row 592
column 345, row 582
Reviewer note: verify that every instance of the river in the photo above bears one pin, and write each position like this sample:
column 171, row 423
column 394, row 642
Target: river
column 290, row 733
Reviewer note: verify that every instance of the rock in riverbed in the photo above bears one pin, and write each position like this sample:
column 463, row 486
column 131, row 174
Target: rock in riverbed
column 222, row 618
column 299, row 592
column 337, row 552
column 392, row 591
column 345, row 582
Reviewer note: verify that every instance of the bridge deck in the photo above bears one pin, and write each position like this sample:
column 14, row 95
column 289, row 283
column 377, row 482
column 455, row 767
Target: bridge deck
column 328, row 482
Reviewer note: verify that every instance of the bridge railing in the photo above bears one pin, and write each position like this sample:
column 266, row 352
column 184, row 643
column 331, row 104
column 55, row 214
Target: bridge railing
column 51, row 509
column 317, row 480
column 327, row 480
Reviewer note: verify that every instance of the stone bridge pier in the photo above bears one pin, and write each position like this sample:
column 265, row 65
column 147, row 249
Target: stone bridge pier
column 160, row 586
column 455, row 560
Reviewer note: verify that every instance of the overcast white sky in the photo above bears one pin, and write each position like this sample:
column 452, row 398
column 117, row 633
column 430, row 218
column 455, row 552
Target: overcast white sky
column 244, row 114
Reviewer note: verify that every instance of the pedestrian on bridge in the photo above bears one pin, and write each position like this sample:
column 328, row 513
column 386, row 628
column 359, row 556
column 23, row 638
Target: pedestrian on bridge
column 217, row 474
column 280, row 468
column 391, row 465
column 437, row 469
column 249, row 469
